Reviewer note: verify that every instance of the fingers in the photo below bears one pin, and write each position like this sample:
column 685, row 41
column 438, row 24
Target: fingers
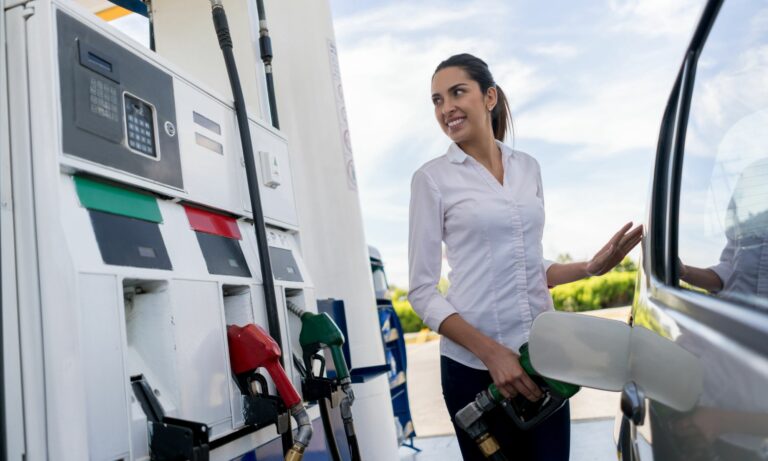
column 508, row 391
column 618, row 235
column 631, row 239
column 528, row 388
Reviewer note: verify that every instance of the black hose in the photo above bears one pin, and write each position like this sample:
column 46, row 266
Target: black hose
column 265, row 47
column 273, row 321
column 325, row 415
column 354, row 449
column 225, row 42
column 498, row 456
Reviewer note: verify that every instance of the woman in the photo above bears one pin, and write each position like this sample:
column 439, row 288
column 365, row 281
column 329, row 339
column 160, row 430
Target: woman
column 485, row 202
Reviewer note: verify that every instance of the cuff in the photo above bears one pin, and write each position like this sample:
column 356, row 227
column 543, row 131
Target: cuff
column 438, row 310
column 723, row 270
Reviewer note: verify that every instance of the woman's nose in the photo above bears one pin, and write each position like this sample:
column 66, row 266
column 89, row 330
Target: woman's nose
column 448, row 107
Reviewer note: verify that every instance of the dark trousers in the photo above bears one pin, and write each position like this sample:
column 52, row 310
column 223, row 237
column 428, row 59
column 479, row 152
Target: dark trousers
column 549, row 441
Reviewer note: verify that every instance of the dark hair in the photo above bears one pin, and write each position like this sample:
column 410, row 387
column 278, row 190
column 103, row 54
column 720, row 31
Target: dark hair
column 477, row 69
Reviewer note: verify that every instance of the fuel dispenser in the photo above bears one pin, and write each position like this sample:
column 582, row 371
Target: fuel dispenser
column 251, row 348
column 149, row 244
column 523, row 413
column 319, row 331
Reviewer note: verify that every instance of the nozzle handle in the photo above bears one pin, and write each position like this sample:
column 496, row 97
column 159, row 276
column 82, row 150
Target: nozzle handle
column 283, row 384
column 342, row 371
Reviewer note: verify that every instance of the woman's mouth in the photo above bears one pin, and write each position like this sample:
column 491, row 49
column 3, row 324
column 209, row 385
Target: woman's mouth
column 456, row 124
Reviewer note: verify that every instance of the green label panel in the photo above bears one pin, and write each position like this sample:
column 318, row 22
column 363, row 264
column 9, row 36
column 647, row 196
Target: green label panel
column 101, row 196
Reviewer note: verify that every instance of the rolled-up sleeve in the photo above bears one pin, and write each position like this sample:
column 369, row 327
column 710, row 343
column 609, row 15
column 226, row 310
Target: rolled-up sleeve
column 547, row 264
column 425, row 236
column 724, row 269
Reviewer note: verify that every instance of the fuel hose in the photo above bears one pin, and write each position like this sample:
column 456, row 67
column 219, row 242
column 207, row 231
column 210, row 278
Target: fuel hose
column 225, row 43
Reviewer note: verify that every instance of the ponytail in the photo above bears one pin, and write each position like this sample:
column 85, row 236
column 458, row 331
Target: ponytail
column 501, row 116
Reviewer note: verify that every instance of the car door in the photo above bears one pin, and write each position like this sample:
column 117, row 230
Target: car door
column 704, row 277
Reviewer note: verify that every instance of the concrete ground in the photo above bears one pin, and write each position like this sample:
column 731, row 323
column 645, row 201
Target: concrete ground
column 591, row 440
column 592, row 411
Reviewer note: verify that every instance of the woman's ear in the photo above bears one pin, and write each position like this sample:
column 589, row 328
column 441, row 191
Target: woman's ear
column 491, row 98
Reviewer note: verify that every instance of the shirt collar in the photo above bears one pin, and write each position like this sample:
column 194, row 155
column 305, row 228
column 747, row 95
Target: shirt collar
column 456, row 155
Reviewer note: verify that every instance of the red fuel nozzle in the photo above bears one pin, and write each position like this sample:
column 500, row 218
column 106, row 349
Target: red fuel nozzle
column 250, row 347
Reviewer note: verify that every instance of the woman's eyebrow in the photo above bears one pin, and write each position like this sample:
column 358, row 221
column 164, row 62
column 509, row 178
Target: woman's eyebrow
column 450, row 89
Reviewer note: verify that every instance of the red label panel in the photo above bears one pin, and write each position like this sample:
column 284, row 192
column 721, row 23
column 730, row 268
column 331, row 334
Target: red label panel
column 212, row 223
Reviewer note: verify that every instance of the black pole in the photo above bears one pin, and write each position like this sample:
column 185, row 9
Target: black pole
column 225, row 41
column 273, row 321
column 330, row 437
column 265, row 47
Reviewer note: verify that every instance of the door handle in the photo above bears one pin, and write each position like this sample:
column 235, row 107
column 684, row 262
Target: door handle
column 633, row 403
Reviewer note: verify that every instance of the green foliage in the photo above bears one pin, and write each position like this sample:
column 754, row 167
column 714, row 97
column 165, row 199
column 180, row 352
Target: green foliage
column 609, row 290
column 615, row 288
column 564, row 258
column 626, row 265
column 410, row 322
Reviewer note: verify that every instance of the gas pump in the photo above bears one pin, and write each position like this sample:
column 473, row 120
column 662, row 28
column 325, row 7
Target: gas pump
column 251, row 348
column 319, row 331
column 524, row 413
column 136, row 187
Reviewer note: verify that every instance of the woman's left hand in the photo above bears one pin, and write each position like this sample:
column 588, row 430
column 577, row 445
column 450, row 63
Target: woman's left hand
column 615, row 250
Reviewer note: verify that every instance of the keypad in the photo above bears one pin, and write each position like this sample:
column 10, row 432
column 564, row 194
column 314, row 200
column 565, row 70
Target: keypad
column 140, row 126
column 103, row 98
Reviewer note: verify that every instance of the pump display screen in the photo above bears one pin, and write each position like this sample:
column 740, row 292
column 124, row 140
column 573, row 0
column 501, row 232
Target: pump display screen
column 140, row 125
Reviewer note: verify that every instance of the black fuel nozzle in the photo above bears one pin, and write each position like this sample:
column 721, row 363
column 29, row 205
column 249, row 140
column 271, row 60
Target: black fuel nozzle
column 259, row 408
column 527, row 414
column 470, row 420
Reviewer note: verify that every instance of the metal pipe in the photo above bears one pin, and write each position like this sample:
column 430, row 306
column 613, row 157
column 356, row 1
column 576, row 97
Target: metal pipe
column 349, row 424
column 303, row 434
column 295, row 309
column 265, row 47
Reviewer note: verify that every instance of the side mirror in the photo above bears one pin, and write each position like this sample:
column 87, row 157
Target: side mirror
column 607, row 354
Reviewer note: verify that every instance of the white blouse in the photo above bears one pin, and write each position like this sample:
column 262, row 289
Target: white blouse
column 492, row 235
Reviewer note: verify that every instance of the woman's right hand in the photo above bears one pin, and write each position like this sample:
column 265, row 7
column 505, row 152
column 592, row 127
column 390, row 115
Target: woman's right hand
column 508, row 375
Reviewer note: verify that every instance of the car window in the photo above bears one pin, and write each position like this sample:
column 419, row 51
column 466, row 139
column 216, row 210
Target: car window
column 723, row 209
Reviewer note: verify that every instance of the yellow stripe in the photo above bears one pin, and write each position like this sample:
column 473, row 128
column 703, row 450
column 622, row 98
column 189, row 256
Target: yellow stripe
column 112, row 13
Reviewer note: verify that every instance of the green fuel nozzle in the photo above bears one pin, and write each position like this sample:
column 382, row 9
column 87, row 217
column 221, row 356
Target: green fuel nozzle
column 558, row 388
column 319, row 331
column 524, row 413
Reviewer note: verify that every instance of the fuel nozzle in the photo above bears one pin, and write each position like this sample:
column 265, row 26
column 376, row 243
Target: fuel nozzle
column 470, row 419
column 319, row 331
column 250, row 348
column 526, row 414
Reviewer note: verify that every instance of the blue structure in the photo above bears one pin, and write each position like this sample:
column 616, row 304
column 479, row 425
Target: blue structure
column 394, row 350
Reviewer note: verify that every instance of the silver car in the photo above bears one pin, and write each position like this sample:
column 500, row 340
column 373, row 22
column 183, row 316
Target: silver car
column 692, row 364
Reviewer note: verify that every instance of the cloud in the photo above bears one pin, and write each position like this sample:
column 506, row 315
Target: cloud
column 555, row 50
column 610, row 117
column 592, row 90
column 656, row 18
column 401, row 18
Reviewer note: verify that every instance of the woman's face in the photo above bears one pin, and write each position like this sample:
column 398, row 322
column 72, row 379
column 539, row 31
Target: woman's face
column 461, row 108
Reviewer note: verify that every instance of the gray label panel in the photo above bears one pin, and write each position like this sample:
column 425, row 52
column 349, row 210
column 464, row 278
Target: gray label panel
column 284, row 265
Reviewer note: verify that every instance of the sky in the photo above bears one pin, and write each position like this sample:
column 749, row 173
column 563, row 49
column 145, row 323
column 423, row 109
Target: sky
column 587, row 83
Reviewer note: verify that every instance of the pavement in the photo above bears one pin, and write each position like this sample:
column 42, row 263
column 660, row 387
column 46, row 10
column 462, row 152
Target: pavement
column 592, row 411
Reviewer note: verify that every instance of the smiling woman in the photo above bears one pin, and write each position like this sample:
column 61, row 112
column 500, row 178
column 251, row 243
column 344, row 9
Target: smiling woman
column 485, row 202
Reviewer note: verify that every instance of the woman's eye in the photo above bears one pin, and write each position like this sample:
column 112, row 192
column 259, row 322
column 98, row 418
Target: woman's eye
column 435, row 101
column 458, row 92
